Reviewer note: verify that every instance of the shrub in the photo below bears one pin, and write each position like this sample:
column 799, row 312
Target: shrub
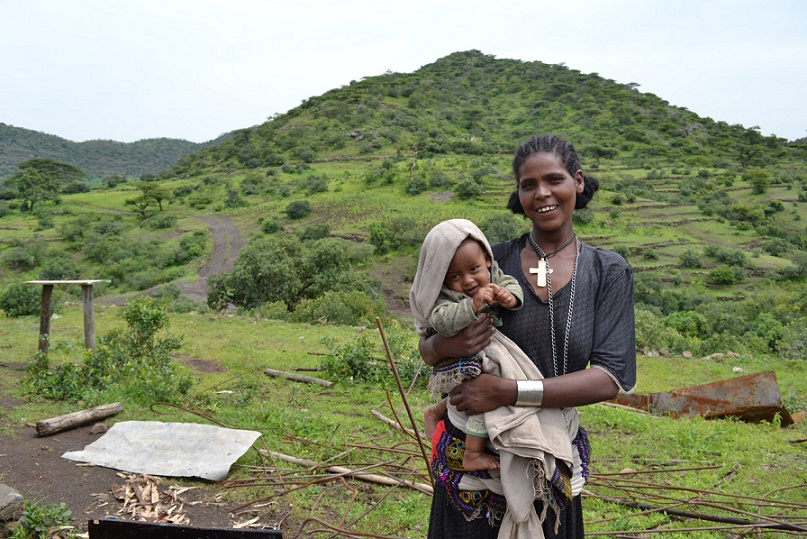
column 107, row 227
column 501, row 227
column 76, row 187
column 653, row 334
column 359, row 361
column 623, row 250
column 395, row 234
column 298, row 209
column 340, row 308
column 583, row 216
column 468, row 189
column 315, row 232
column 19, row 299
column 234, row 200
column 288, row 270
column 58, row 268
column 135, row 360
column 160, row 221
column 691, row 259
column 41, row 521
column 270, row 226
column 417, row 185
column 272, row 310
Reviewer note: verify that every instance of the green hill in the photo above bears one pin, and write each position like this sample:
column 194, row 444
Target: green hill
column 98, row 158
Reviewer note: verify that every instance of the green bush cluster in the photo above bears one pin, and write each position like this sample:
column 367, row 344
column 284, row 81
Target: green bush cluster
column 361, row 361
column 134, row 361
column 19, row 299
column 287, row 269
column 395, row 234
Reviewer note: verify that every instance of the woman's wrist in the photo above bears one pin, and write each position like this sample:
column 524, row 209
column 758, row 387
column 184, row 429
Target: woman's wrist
column 530, row 393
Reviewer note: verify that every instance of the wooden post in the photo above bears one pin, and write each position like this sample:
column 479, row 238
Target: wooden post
column 89, row 316
column 44, row 318
column 45, row 310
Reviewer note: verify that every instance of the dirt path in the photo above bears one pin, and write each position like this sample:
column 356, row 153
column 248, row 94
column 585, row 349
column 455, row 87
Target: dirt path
column 227, row 243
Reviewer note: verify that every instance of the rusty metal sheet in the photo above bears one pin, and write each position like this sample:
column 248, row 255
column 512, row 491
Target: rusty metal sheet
column 752, row 398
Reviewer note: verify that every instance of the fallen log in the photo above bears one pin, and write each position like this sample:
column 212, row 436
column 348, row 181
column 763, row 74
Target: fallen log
column 372, row 478
column 61, row 423
column 298, row 377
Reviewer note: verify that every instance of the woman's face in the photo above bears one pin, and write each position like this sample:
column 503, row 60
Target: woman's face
column 547, row 192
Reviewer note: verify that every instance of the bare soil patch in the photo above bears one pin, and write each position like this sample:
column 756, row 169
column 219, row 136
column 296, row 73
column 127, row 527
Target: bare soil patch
column 34, row 467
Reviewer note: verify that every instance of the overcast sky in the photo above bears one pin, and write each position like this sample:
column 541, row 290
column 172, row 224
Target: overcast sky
column 127, row 70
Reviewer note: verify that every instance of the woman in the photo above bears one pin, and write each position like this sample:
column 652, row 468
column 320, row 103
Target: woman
column 576, row 325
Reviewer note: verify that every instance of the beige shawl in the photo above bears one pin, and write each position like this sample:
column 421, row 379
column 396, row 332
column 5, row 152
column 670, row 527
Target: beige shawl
column 529, row 440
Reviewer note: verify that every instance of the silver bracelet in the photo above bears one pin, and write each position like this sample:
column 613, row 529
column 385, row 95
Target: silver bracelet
column 530, row 392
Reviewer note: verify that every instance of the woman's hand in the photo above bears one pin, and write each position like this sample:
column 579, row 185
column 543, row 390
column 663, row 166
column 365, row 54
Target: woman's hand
column 483, row 394
column 467, row 342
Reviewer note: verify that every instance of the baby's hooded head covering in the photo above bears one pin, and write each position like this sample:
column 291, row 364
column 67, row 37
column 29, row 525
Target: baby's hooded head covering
column 435, row 256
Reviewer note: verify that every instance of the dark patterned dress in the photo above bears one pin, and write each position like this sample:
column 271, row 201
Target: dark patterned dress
column 602, row 336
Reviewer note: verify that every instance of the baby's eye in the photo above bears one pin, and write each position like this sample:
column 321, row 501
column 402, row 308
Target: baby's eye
column 452, row 277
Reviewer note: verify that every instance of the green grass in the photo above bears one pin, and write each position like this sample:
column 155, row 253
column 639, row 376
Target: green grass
column 316, row 423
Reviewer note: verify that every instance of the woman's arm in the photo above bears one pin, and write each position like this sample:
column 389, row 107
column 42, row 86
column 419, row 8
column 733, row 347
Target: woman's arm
column 487, row 392
column 467, row 342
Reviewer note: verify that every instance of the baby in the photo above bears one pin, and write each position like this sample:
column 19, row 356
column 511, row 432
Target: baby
column 472, row 285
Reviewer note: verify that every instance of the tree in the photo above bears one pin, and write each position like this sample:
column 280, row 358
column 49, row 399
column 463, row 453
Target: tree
column 600, row 152
column 61, row 172
column 33, row 187
column 141, row 205
column 759, row 179
column 288, row 270
column 156, row 193
column 38, row 180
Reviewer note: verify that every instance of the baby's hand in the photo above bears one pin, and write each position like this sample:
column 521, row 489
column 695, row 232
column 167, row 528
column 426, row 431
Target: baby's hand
column 483, row 296
column 504, row 297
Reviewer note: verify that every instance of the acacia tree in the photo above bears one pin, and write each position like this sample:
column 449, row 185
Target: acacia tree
column 157, row 193
column 33, row 187
column 38, row 180
column 141, row 205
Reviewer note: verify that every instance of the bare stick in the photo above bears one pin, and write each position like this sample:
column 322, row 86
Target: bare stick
column 373, row 478
column 403, row 396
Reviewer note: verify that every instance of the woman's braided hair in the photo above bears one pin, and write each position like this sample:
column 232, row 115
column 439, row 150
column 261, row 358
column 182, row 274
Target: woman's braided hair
column 565, row 152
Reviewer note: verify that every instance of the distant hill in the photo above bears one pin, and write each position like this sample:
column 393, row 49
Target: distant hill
column 98, row 158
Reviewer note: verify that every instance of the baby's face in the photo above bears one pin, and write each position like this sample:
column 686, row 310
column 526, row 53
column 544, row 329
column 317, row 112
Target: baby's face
column 469, row 269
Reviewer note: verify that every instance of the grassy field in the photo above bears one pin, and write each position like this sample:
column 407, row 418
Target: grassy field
column 717, row 468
